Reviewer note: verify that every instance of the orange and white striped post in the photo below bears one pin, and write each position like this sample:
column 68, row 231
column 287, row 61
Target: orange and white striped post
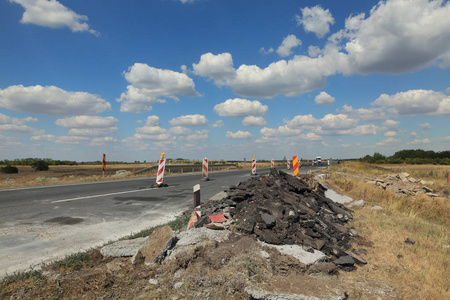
column 205, row 169
column 272, row 163
column 253, row 166
column 288, row 164
column 161, row 168
column 295, row 164
column 104, row 164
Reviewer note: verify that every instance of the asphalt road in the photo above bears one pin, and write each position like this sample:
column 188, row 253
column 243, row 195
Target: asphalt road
column 41, row 224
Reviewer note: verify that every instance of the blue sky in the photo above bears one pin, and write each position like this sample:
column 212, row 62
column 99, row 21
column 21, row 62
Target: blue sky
column 222, row 79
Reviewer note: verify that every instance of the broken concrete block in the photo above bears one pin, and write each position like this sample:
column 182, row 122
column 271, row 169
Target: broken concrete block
column 137, row 259
column 156, row 243
column 178, row 285
column 154, row 282
column 305, row 257
column 125, row 248
column 427, row 189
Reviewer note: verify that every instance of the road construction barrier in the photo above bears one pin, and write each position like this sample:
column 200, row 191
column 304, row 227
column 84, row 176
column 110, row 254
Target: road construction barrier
column 288, row 164
column 253, row 166
column 205, row 168
column 272, row 163
column 295, row 165
column 162, row 166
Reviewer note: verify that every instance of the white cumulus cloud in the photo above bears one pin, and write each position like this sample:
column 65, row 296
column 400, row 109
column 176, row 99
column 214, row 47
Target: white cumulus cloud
column 217, row 67
column 17, row 125
column 364, row 114
column 51, row 100
column 51, row 13
column 398, row 36
column 180, row 130
column 302, row 121
column 324, row 98
column 189, row 120
column 217, row 124
column 240, row 108
column 252, row 121
column 239, row 135
column 417, row 102
column 280, row 131
column 289, row 42
column 87, row 122
column 149, row 85
column 315, row 19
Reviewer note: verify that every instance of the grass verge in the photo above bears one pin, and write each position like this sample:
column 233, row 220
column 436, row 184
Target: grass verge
column 418, row 271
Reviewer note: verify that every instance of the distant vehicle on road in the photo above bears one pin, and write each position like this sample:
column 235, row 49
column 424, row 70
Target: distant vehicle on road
column 318, row 160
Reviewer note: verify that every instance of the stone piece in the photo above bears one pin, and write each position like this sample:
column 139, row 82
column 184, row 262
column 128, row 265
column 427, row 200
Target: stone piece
column 270, row 237
column 427, row 189
column 358, row 259
column 361, row 251
column 269, row 220
column 323, row 268
column 156, row 244
column 137, row 259
column 178, row 285
column 345, row 260
column 154, row 282
column 305, row 257
column 125, row 248
column 259, row 294
column 410, row 241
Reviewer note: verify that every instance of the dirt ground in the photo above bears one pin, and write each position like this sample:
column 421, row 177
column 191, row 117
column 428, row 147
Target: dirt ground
column 212, row 271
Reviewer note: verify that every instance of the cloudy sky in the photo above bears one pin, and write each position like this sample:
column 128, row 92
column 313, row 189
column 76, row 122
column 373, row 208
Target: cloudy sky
column 223, row 79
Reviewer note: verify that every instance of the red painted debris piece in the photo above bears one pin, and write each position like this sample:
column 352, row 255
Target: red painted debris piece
column 217, row 218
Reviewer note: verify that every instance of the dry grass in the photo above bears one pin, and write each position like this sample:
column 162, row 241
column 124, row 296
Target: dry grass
column 418, row 271
column 67, row 174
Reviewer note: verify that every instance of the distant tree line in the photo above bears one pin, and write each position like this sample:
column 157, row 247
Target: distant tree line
column 32, row 161
column 417, row 157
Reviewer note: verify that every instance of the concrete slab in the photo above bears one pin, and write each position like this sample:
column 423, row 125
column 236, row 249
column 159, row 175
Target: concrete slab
column 297, row 252
column 124, row 248
column 342, row 199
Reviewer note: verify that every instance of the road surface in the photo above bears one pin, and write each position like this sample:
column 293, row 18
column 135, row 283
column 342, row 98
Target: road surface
column 46, row 223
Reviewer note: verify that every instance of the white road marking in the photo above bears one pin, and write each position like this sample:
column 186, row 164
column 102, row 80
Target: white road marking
column 103, row 195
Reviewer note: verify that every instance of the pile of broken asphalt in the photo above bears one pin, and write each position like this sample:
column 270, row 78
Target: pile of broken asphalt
column 280, row 209
column 270, row 237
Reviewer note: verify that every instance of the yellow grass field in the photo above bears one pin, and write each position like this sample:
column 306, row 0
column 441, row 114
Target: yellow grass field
column 419, row 271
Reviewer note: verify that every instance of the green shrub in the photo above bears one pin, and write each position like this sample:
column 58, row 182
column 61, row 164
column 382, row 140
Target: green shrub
column 40, row 165
column 9, row 169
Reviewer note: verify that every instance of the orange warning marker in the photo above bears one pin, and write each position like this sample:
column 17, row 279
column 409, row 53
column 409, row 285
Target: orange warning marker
column 161, row 168
column 295, row 165
column 253, row 166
